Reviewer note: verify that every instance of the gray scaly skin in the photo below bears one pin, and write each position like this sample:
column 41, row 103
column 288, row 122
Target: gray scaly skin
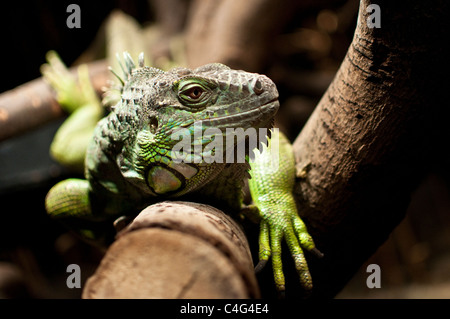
column 130, row 164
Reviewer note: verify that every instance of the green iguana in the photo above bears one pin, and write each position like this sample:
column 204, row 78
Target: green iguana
column 133, row 157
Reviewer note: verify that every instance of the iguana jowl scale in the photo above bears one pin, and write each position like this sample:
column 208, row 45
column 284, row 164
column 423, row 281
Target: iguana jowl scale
column 130, row 162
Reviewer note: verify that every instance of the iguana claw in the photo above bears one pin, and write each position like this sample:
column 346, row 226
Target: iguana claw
column 296, row 237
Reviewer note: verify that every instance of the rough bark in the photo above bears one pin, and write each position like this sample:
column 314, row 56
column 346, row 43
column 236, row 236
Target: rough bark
column 370, row 139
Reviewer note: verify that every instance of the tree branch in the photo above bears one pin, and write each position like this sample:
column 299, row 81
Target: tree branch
column 368, row 142
column 177, row 250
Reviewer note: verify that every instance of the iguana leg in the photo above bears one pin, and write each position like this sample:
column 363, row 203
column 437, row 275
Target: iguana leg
column 69, row 198
column 271, row 188
column 69, row 201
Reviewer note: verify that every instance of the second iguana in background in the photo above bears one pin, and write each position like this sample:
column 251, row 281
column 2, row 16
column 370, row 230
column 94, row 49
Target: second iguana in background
column 133, row 157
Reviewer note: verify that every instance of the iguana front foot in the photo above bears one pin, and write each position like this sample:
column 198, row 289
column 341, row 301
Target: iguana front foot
column 271, row 188
column 290, row 227
column 69, row 202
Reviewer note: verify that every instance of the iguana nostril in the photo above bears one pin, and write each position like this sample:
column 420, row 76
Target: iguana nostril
column 258, row 87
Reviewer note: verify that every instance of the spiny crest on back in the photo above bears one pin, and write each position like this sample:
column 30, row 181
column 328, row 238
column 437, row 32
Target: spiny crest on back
column 114, row 92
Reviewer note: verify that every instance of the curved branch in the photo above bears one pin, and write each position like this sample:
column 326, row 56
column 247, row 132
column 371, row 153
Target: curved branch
column 368, row 142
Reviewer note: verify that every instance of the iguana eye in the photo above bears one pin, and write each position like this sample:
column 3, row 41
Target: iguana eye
column 194, row 93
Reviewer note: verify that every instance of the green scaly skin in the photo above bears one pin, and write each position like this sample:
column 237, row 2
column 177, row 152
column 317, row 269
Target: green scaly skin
column 130, row 164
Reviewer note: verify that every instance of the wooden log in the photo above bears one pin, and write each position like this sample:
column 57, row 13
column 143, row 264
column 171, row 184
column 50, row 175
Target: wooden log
column 176, row 250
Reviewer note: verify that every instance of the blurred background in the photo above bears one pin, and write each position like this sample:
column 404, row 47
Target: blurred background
column 299, row 44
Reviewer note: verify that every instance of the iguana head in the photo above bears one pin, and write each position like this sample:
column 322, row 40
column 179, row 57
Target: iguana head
column 175, row 124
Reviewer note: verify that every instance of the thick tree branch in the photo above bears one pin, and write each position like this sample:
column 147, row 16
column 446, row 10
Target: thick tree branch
column 369, row 140
column 177, row 250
